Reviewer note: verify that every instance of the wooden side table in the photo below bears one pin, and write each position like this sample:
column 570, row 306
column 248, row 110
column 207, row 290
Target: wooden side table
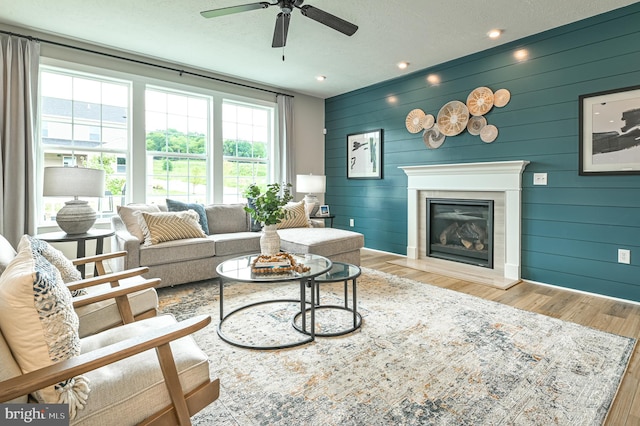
column 331, row 216
column 81, row 239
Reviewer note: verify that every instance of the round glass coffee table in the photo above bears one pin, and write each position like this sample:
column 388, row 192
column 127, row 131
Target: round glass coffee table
column 338, row 272
column 239, row 270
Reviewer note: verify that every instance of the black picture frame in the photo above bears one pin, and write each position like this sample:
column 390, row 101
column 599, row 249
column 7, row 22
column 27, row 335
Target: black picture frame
column 610, row 132
column 364, row 155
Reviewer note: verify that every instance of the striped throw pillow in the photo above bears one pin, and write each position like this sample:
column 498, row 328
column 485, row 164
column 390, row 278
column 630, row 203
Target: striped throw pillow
column 295, row 216
column 169, row 226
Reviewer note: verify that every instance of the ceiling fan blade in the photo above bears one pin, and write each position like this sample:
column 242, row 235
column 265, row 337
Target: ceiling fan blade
column 234, row 9
column 329, row 20
column 281, row 30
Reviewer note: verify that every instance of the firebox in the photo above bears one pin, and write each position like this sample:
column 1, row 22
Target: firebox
column 460, row 230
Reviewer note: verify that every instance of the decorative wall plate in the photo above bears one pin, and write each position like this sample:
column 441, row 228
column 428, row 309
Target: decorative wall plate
column 489, row 133
column 427, row 121
column 414, row 120
column 480, row 101
column 476, row 124
column 501, row 97
column 433, row 138
column 453, row 118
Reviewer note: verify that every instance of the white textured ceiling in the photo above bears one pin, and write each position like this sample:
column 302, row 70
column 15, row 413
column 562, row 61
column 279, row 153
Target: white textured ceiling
column 424, row 33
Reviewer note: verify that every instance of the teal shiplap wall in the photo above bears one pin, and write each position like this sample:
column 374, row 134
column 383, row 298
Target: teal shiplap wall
column 571, row 228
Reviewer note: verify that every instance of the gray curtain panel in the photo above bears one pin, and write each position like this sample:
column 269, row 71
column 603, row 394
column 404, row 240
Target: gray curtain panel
column 285, row 168
column 19, row 62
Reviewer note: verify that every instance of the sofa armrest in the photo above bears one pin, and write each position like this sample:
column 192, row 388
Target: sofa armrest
column 123, row 240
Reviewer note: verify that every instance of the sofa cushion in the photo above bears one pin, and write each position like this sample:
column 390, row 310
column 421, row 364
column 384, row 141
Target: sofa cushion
column 179, row 206
column 39, row 324
column 9, row 368
column 295, row 216
column 236, row 243
column 169, row 226
column 138, row 376
column 323, row 241
column 226, row 218
column 177, row 251
column 130, row 220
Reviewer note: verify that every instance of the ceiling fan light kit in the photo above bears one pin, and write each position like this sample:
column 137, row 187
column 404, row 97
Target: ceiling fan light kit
column 284, row 16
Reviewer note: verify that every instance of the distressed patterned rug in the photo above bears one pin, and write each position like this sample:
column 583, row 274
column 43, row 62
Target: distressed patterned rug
column 424, row 356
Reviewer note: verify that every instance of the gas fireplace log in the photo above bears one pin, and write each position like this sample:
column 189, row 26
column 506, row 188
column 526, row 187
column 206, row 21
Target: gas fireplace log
column 449, row 231
column 466, row 244
column 478, row 245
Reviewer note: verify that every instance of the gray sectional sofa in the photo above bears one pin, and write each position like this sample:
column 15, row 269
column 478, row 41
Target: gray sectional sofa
column 229, row 235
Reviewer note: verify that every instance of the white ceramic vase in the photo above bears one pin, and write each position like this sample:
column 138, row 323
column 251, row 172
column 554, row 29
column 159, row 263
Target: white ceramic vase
column 269, row 240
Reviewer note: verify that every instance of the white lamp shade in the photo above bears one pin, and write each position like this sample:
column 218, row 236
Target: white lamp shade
column 73, row 182
column 311, row 184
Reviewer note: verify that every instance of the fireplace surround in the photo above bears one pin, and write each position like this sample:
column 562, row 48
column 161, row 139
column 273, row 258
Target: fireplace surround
column 499, row 181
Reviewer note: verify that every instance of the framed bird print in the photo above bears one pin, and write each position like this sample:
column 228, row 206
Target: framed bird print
column 364, row 155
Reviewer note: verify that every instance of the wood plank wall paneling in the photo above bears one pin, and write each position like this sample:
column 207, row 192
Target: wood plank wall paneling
column 572, row 227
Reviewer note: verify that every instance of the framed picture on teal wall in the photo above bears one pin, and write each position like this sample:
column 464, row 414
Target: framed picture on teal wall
column 364, row 155
column 610, row 132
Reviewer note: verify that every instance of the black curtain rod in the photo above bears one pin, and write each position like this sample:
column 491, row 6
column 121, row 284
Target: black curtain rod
column 179, row 71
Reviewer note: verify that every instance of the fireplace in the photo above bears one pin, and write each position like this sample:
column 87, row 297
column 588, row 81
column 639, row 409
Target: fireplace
column 497, row 181
column 460, row 230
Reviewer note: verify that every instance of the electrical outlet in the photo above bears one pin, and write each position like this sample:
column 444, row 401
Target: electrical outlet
column 539, row 178
column 624, row 256
column 351, row 223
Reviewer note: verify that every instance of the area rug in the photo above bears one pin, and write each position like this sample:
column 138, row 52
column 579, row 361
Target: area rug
column 423, row 356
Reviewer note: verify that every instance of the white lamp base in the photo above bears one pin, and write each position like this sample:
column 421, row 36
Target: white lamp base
column 76, row 217
column 311, row 204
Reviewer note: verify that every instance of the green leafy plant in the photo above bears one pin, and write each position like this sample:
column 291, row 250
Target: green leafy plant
column 267, row 207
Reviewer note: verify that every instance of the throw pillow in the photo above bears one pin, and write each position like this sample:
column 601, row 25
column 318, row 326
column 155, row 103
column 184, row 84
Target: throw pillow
column 39, row 323
column 131, row 221
column 169, row 226
column 295, row 216
column 179, row 206
column 67, row 269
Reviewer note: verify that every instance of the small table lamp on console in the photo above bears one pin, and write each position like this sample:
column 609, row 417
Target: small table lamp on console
column 311, row 185
column 76, row 217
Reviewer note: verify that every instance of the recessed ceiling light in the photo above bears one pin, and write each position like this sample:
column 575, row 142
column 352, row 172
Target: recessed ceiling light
column 495, row 33
column 433, row 79
column 521, row 54
column 403, row 65
column 321, row 78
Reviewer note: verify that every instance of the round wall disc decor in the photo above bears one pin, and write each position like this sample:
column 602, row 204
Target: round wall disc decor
column 427, row 121
column 453, row 118
column 476, row 124
column 433, row 138
column 414, row 120
column 489, row 133
column 501, row 97
column 480, row 101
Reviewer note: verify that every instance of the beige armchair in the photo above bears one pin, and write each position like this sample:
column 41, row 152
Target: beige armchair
column 149, row 371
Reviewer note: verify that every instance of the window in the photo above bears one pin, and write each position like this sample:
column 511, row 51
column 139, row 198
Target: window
column 247, row 139
column 84, row 121
column 177, row 136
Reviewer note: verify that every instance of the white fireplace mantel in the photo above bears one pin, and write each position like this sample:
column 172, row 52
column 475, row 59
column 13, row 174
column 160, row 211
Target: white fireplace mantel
column 497, row 176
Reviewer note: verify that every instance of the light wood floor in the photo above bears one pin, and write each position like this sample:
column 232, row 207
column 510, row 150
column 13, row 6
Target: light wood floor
column 596, row 312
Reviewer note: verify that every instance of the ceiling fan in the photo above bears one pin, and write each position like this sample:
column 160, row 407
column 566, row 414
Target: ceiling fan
column 282, row 21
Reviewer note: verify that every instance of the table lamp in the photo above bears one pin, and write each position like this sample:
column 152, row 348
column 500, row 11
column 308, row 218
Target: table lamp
column 311, row 185
column 76, row 217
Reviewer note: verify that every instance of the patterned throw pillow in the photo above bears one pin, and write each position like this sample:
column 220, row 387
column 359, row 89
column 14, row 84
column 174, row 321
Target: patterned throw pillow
column 295, row 216
column 67, row 269
column 179, row 206
column 130, row 220
column 169, row 226
column 39, row 323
